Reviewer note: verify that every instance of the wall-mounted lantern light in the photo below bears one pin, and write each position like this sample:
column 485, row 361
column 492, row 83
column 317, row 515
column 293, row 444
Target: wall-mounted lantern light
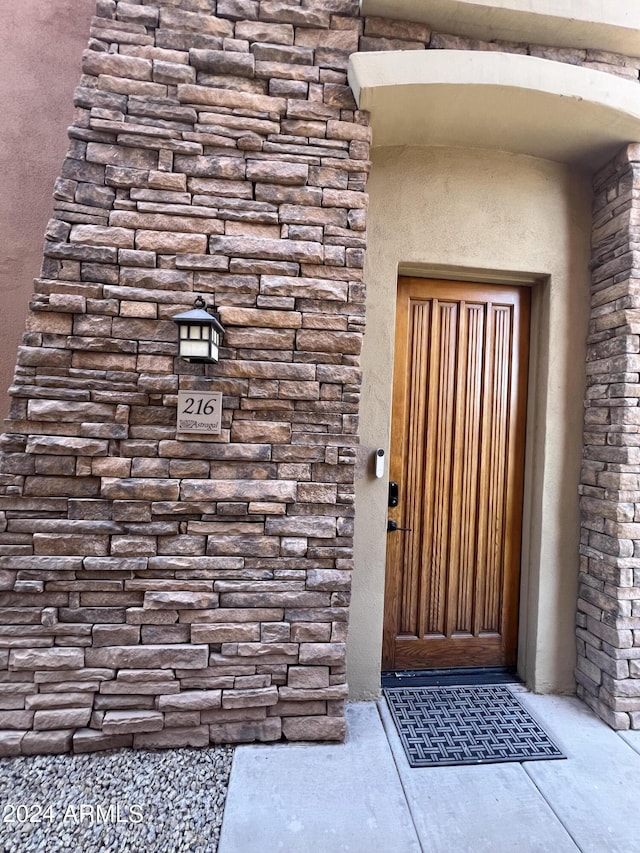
column 200, row 333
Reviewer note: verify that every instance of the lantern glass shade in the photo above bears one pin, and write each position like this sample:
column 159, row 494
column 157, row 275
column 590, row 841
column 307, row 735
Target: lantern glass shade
column 200, row 335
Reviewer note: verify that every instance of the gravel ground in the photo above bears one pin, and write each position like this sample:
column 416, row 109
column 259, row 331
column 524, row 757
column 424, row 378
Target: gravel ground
column 170, row 800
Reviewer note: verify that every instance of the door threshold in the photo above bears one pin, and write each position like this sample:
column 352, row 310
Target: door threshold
column 444, row 677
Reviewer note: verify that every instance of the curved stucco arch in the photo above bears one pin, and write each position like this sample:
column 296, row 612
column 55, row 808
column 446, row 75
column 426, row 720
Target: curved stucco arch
column 499, row 101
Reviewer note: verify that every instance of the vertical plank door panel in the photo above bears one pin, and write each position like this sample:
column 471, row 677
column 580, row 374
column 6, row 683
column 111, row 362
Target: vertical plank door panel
column 457, row 452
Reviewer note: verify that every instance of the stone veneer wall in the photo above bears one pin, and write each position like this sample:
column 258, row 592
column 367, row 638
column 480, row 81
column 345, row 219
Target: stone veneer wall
column 608, row 671
column 160, row 592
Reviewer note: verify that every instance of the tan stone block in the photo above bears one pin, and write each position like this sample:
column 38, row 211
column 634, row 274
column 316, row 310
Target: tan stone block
column 252, row 338
column 49, row 701
column 10, row 742
column 191, row 700
column 245, row 546
column 231, row 615
column 313, row 728
column 170, row 242
column 249, row 698
column 331, row 693
column 230, row 98
column 113, row 635
column 304, row 288
column 48, row 659
column 167, row 181
column 328, row 579
column 134, row 676
column 160, row 634
column 84, row 677
column 279, row 250
column 265, row 649
column 128, row 722
column 305, row 677
column 251, row 317
column 261, row 432
column 275, row 632
column 174, row 600
column 120, row 155
column 262, row 508
column 154, row 489
column 249, row 682
column 16, row 719
column 182, row 719
column 64, row 411
column 169, row 656
column 276, row 172
column 90, row 740
column 97, row 63
column 346, row 40
column 344, row 198
column 318, row 526
column 150, row 364
column 309, row 340
column 226, row 632
column 240, row 490
column 386, row 28
column 172, row 73
column 163, row 584
column 61, row 718
column 293, row 546
column 174, row 737
column 47, row 743
column 317, row 493
column 322, row 653
column 223, row 62
column 298, row 709
column 306, row 215
column 57, row 324
column 206, row 24
column 141, row 687
column 246, row 732
column 98, row 235
column 110, row 467
column 143, row 616
column 234, row 715
column 258, row 31
column 276, row 599
column 169, row 218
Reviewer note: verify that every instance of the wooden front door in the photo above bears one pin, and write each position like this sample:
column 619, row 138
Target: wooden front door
column 457, row 455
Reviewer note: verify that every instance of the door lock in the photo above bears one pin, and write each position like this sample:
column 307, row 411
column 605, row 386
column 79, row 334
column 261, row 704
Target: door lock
column 392, row 526
column 393, row 494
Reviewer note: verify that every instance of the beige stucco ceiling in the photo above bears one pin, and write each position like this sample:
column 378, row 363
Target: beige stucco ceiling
column 611, row 25
column 501, row 101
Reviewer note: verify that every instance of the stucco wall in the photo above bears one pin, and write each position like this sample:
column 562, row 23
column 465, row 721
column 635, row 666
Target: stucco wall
column 464, row 213
column 39, row 69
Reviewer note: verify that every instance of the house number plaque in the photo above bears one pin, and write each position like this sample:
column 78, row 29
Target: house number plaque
column 200, row 412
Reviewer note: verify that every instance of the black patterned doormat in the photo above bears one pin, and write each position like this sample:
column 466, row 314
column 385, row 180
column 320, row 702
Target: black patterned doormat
column 466, row 725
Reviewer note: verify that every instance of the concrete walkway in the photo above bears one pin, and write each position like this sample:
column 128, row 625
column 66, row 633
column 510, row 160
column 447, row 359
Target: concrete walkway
column 362, row 797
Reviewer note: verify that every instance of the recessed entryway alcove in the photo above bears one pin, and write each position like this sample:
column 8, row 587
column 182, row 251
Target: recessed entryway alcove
column 482, row 171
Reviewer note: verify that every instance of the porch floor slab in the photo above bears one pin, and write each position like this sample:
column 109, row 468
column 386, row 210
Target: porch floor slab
column 362, row 796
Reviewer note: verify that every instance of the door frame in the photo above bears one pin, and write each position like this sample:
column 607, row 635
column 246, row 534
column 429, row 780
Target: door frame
column 516, row 487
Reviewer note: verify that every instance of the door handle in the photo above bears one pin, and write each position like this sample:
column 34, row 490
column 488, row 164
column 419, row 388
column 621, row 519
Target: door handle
column 392, row 526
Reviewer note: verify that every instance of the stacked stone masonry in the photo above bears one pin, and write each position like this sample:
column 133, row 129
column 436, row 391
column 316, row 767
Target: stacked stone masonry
column 167, row 590
column 161, row 590
column 608, row 626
